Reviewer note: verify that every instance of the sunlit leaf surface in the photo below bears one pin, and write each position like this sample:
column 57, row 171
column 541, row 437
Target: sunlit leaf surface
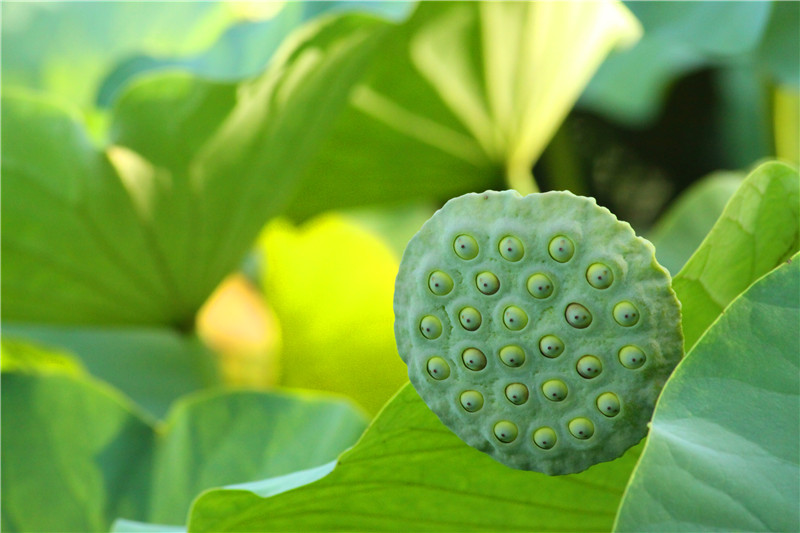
column 722, row 453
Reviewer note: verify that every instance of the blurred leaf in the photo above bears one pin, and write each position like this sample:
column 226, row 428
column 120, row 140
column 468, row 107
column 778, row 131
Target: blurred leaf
column 682, row 228
column 331, row 284
column 237, row 437
column 722, row 452
column 678, row 37
column 146, row 241
column 67, row 48
column 758, row 229
column 459, row 97
column 426, row 479
column 74, row 455
column 780, row 47
column 787, row 124
column 130, row 526
column 152, row 366
column 22, row 357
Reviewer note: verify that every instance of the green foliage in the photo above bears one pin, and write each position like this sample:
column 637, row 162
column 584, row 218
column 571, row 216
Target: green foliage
column 722, row 452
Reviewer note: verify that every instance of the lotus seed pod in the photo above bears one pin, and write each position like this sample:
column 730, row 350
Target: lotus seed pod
column 438, row 368
column 599, row 276
column 440, row 283
column 551, row 346
column 545, row 438
column 631, row 357
column 561, row 248
column 466, row 247
column 589, row 366
column 554, row 390
column 578, row 316
column 544, row 350
column 487, row 283
column 608, row 404
column 431, row 327
column 626, row 314
column 471, row 400
column 540, row 286
column 505, row 431
column 511, row 248
column 512, row 355
column 515, row 318
column 517, row 393
column 470, row 318
column 474, row 359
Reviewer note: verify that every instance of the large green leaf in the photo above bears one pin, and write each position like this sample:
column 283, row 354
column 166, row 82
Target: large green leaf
column 758, row 229
column 722, row 453
column 410, row 473
column 459, row 97
column 153, row 367
column 680, row 230
column 143, row 232
column 76, row 455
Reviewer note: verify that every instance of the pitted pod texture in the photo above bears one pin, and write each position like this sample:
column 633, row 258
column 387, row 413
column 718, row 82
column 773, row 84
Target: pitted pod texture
column 550, row 334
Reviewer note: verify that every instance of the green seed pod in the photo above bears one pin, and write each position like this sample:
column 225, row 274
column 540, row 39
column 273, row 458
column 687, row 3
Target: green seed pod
column 589, row 366
column 430, row 326
column 431, row 334
column 581, row 428
column 505, row 431
column 487, row 283
column 517, row 393
column 470, row 318
column 440, row 283
column 511, row 248
column 551, row 346
column 599, row 276
column 474, row 359
column 515, row 318
column 471, row 400
column 540, row 286
column 545, row 438
column 626, row 314
column 578, row 316
column 631, row 357
column 561, row 248
column 465, row 247
column 512, row 355
column 438, row 368
column 554, row 390
column 608, row 404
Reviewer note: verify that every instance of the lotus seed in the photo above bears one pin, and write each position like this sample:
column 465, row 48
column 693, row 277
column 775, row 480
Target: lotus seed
column 540, row 286
column 589, row 366
column 471, row 400
column 554, row 390
column 608, row 404
column 512, row 356
column 511, row 248
column 561, row 248
column 626, row 314
column 438, row 368
column 474, row 359
column 470, row 318
column 517, row 393
column 599, row 276
column 487, row 283
column 430, row 326
column 440, row 283
column 581, row 428
column 551, row 346
column 545, row 438
column 515, row 318
column 505, row 431
column 578, row 316
column 466, row 247
column 631, row 356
